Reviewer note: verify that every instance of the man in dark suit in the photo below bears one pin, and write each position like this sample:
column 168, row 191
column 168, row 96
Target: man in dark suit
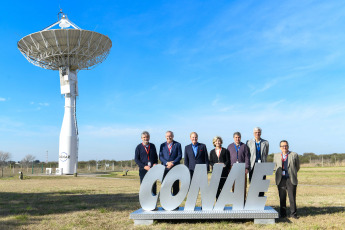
column 170, row 154
column 195, row 153
column 287, row 166
column 239, row 154
column 145, row 156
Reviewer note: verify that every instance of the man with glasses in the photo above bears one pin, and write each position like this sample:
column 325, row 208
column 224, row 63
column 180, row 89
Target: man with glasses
column 287, row 166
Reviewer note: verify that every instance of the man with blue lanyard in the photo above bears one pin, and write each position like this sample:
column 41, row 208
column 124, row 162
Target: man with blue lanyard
column 145, row 156
column 258, row 150
column 239, row 154
column 287, row 166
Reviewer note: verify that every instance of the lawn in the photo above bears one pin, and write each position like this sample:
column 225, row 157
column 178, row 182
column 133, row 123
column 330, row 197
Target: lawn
column 67, row 202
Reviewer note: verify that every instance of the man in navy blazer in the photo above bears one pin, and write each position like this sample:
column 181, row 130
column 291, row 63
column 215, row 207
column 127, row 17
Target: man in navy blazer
column 195, row 153
column 145, row 156
column 170, row 154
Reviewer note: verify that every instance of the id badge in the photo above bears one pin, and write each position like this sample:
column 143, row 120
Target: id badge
column 149, row 164
column 283, row 173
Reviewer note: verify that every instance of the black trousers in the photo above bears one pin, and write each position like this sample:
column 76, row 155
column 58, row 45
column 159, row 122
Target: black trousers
column 250, row 179
column 142, row 173
column 284, row 186
column 176, row 184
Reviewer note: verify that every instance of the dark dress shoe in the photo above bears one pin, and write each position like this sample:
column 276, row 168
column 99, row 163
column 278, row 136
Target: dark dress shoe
column 282, row 216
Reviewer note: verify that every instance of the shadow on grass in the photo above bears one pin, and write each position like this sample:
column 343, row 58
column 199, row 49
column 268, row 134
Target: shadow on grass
column 312, row 211
column 315, row 211
column 18, row 221
column 26, row 208
column 37, row 204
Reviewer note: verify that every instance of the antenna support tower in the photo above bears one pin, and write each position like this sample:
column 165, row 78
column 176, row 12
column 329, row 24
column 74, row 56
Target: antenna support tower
column 67, row 49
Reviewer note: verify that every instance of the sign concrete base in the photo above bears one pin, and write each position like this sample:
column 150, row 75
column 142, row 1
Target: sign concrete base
column 266, row 216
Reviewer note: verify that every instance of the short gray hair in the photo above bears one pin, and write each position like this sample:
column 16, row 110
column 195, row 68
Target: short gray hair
column 257, row 128
column 172, row 134
column 236, row 134
column 145, row 133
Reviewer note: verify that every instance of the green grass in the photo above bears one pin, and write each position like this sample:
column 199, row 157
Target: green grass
column 22, row 217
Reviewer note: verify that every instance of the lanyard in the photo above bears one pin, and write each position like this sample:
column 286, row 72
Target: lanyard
column 147, row 151
column 258, row 146
column 169, row 148
column 284, row 158
column 237, row 149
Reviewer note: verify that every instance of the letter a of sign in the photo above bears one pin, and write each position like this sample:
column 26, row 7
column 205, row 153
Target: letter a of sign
column 200, row 181
column 236, row 198
column 147, row 200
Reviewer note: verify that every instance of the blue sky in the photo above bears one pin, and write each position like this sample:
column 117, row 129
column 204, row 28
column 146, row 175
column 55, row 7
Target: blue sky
column 214, row 67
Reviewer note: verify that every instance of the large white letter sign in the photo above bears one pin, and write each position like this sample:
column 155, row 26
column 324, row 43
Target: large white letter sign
column 168, row 201
column 254, row 208
column 147, row 200
column 236, row 198
column 254, row 202
column 200, row 181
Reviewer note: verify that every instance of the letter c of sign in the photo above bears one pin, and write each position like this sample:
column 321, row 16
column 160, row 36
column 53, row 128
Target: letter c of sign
column 147, row 200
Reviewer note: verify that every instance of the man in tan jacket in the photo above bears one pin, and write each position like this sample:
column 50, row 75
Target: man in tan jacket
column 287, row 166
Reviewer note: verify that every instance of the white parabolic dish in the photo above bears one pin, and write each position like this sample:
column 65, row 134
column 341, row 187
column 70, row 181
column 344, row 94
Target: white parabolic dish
column 74, row 48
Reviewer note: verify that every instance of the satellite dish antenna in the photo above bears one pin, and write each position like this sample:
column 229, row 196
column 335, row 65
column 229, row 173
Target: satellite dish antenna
column 67, row 49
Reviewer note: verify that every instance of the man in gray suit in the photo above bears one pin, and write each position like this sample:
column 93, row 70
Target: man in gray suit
column 287, row 166
column 258, row 150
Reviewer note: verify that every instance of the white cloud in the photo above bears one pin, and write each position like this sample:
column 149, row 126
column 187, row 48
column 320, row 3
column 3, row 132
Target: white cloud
column 2, row 99
column 43, row 103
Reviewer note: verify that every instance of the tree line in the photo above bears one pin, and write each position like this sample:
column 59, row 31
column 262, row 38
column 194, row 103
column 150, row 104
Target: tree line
column 29, row 160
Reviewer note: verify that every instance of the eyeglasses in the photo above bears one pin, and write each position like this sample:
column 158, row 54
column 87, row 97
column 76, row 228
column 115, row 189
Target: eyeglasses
column 284, row 146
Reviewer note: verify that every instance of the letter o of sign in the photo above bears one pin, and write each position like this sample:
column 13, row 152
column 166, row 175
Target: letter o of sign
column 168, row 201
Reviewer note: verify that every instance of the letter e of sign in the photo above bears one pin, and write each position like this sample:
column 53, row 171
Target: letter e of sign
column 258, row 184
